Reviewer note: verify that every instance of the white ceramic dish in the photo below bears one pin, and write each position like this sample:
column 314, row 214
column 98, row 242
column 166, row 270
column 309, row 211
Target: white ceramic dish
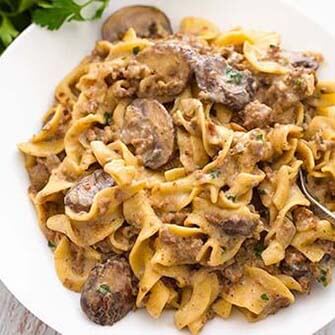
column 29, row 71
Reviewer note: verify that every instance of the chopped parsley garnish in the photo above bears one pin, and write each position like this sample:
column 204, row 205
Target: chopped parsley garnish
column 108, row 117
column 51, row 245
column 298, row 82
column 259, row 137
column 265, row 297
column 215, row 174
column 261, row 191
column 233, row 76
column 321, row 140
column 258, row 249
column 136, row 50
column 231, row 197
column 323, row 278
column 103, row 289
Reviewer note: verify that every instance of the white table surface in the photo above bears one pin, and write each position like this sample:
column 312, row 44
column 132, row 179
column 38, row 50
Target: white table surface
column 16, row 320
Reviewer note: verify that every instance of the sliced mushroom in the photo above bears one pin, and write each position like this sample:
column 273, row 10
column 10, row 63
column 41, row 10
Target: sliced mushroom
column 147, row 21
column 170, row 72
column 222, row 83
column 148, row 127
column 300, row 59
column 299, row 267
column 276, row 302
column 109, row 292
column 234, row 225
column 80, row 197
column 184, row 250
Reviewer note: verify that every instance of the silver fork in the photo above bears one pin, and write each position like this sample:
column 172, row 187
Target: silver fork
column 322, row 211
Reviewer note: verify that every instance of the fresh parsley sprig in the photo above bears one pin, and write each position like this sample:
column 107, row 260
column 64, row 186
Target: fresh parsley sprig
column 53, row 15
column 16, row 15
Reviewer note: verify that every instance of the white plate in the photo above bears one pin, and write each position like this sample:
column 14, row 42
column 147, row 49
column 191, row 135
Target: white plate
column 29, row 72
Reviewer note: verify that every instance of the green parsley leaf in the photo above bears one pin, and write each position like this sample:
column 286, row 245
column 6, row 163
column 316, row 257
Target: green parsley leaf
column 7, row 31
column 108, row 118
column 51, row 245
column 261, row 191
column 231, row 197
column 61, row 11
column 233, row 76
column 259, row 137
column 16, row 15
column 259, row 248
column 136, row 50
column 298, row 83
column 323, row 277
column 103, row 289
column 323, row 280
column 265, row 297
column 215, row 174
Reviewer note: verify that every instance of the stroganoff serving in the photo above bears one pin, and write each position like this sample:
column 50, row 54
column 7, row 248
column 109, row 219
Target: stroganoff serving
column 164, row 175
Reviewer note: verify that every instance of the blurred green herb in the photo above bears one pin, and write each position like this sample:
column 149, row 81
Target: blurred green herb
column 136, row 50
column 323, row 278
column 16, row 15
column 259, row 137
column 233, row 76
column 104, row 289
column 259, row 248
column 51, row 245
column 231, row 197
column 215, row 174
column 265, row 297
column 108, row 118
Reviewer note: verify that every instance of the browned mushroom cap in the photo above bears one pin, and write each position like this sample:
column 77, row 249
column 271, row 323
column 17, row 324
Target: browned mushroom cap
column 220, row 82
column 146, row 20
column 80, row 197
column 171, row 72
column 109, row 292
column 148, row 127
column 300, row 59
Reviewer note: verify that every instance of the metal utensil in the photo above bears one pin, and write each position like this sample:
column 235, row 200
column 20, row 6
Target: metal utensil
column 322, row 211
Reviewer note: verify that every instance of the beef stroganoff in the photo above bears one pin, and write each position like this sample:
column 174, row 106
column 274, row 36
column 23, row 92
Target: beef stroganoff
column 165, row 172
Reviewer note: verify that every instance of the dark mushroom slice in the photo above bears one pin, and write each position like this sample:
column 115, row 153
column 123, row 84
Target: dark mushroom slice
column 274, row 305
column 295, row 264
column 148, row 127
column 222, row 83
column 109, row 292
column 300, row 59
column 234, row 225
column 184, row 250
column 38, row 175
column 170, row 72
column 147, row 21
column 80, row 197
column 238, row 226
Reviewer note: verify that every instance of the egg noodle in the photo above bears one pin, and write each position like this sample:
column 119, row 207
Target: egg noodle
column 215, row 227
